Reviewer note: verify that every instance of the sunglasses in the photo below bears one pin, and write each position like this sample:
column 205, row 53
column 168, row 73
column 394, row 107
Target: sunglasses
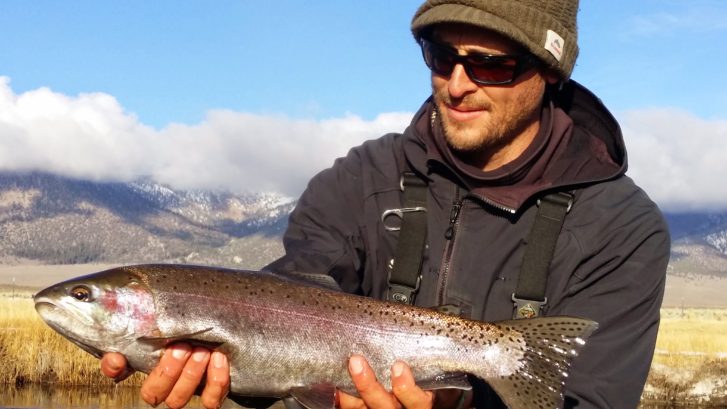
column 484, row 69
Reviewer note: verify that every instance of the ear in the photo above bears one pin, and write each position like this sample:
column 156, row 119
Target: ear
column 551, row 77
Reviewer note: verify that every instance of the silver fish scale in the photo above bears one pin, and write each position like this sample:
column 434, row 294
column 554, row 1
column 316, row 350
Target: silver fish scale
column 305, row 335
column 282, row 335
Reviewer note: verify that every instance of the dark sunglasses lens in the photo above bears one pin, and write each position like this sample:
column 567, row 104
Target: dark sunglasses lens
column 483, row 69
column 438, row 59
column 495, row 71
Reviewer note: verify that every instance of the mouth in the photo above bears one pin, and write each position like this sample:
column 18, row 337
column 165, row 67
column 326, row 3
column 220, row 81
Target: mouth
column 464, row 114
column 45, row 308
column 44, row 305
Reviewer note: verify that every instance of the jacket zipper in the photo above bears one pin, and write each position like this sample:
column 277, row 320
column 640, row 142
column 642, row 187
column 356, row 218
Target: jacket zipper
column 449, row 234
column 496, row 205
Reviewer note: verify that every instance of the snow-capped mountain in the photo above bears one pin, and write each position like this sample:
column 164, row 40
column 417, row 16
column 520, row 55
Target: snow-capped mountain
column 46, row 218
column 51, row 219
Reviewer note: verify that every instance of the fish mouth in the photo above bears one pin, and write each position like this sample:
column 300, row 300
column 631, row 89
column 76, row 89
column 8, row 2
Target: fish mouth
column 44, row 305
column 47, row 307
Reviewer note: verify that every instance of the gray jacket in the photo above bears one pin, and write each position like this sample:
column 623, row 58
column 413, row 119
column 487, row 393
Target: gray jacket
column 609, row 263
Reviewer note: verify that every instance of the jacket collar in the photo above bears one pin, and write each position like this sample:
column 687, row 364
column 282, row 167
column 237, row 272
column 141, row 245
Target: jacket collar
column 579, row 143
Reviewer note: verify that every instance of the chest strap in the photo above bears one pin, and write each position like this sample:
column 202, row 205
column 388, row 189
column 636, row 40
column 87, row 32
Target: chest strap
column 405, row 268
column 529, row 297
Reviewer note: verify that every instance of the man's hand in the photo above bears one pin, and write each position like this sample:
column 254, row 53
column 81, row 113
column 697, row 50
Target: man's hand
column 404, row 391
column 177, row 376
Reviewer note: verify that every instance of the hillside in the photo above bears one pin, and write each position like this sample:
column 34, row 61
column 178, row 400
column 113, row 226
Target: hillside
column 48, row 219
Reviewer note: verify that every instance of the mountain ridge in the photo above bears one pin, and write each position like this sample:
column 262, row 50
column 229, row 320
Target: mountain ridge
column 51, row 219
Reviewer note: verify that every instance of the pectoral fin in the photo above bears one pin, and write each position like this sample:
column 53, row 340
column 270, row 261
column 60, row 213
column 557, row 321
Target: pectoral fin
column 192, row 338
column 448, row 381
column 321, row 396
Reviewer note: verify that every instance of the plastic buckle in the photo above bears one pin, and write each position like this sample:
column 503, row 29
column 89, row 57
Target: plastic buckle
column 400, row 214
column 527, row 308
column 562, row 195
column 403, row 294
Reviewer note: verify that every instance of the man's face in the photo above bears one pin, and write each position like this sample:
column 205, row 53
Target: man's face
column 487, row 124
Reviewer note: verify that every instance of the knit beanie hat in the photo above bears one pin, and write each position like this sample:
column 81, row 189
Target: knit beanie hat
column 547, row 28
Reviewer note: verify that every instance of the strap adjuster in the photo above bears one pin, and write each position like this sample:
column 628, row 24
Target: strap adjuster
column 400, row 214
column 560, row 198
column 527, row 308
column 403, row 293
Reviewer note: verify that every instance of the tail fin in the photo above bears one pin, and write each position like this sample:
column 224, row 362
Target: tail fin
column 551, row 343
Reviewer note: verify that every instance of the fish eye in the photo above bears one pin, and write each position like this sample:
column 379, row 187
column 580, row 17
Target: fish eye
column 81, row 293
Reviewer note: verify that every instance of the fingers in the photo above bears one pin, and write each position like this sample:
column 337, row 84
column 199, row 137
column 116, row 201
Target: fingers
column 158, row 385
column 180, row 371
column 189, row 379
column 373, row 394
column 218, row 381
column 405, row 389
column 114, row 366
column 346, row 401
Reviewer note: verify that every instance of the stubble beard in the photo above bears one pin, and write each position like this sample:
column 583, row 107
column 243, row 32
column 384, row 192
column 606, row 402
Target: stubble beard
column 502, row 125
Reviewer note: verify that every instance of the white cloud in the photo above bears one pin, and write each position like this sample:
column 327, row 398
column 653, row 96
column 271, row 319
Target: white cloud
column 91, row 136
column 678, row 158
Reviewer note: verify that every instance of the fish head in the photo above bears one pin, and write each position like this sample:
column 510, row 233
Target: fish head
column 101, row 312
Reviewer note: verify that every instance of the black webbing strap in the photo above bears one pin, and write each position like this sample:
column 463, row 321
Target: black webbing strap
column 404, row 272
column 529, row 297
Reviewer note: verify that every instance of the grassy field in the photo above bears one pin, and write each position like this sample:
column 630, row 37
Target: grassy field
column 30, row 352
column 690, row 364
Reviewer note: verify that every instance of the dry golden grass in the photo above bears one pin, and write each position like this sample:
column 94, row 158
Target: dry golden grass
column 687, row 336
column 691, row 353
column 31, row 352
column 690, row 364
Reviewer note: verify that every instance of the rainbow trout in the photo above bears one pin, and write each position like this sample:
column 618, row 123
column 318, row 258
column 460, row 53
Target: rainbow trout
column 292, row 335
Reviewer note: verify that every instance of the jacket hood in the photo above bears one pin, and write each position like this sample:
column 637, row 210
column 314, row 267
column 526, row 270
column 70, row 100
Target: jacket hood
column 579, row 143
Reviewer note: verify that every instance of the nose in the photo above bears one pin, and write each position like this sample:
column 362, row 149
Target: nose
column 459, row 83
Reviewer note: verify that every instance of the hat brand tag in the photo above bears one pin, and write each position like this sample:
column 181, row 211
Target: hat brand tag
column 554, row 44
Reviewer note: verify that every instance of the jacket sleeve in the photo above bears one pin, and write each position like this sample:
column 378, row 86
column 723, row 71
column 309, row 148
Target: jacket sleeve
column 618, row 283
column 323, row 234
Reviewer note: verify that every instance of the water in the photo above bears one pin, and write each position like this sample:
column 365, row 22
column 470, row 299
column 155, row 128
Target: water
column 120, row 397
column 55, row 397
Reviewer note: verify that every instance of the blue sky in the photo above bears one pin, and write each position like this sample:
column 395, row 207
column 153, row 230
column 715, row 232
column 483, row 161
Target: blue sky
column 316, row 77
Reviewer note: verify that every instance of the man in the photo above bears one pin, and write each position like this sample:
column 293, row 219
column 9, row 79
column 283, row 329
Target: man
column 504, row 128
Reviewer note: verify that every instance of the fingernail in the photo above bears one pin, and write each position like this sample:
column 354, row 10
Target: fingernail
column 199, row 356
column 397, row 369
column 178, row 353
column 355, row 365
column 218, row 359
